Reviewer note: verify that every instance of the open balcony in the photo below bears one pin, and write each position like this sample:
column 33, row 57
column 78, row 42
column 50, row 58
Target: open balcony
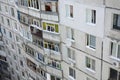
column 31, row 65
column 49, row 10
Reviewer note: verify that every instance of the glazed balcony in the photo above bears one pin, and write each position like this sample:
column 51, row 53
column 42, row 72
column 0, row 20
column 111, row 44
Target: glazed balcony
column 51, row 31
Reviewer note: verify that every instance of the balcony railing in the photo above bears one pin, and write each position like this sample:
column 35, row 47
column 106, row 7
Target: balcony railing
column 51, row 36
column 49, row 15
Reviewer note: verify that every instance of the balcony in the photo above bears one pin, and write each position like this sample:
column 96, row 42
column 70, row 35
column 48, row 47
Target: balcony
column 52, row 36
column 36, row 32
column 53, row 16
column 54, row 71
column 52, row 54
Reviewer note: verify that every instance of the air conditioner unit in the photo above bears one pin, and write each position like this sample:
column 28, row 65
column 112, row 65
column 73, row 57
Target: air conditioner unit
column 116, row 64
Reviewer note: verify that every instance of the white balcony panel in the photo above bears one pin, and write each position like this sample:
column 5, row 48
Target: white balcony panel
column 35, row 13
column 24, row 10
column 51, row 36
column 36, row 48
column 49, row 17
column 54, row 71
column 53, row 54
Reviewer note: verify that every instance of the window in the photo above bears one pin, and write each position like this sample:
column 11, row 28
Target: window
column 91, row 16
column 70, row 33
column 51, row 46
column 71, row 54
column 21, row 63
column 90, row 63
column 12, row 12
column 36, row 22
column 23, row 18
column 6, row 8
column 19, row 51
column 10, row 34
column 50, row 27
column 91, row 41
column 40, row 57
column 4, row 31
column 23, row 2
column 48, row 6
column 116, row 21
column 0, row 7
column 72, row 73
column 8, row 22
column 30, row 51
column 31, row 65
column 42, row 72
column 69, row 10
column 23, row 74
column 54, row 78
column 15, row 57
column 54, row 63
column 33, row 3
column 115, row 50
column 12, row 46
column 2, row 19
column 38, row 42
column 15, row 25
column 114, row 74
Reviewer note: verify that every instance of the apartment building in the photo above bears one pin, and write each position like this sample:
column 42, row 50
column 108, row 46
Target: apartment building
column 61, row 39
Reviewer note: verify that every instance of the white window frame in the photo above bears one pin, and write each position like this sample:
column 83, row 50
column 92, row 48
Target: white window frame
column 33, row 4
column 57, row 63
column 69, row 11
column 73, row 76
column 91, row 16
column 91, row 63
column 70, row 33
column 56, row 46
column 12, row 12
column 37, row 22
column 115, row 52
column 71, row 54
column 89, row 41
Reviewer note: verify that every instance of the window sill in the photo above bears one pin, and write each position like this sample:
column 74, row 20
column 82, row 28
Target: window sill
column 38, row 27
column 33, row 9
column 114, row 58
column 114, row 29
column 54, row 67
column 70, row 18
column 51, row 32
column 71, row 60
column 91, row 24
column 90, row 70
column 71, row 78
column 71, row 40
column 51, row 51
column 90, row 48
